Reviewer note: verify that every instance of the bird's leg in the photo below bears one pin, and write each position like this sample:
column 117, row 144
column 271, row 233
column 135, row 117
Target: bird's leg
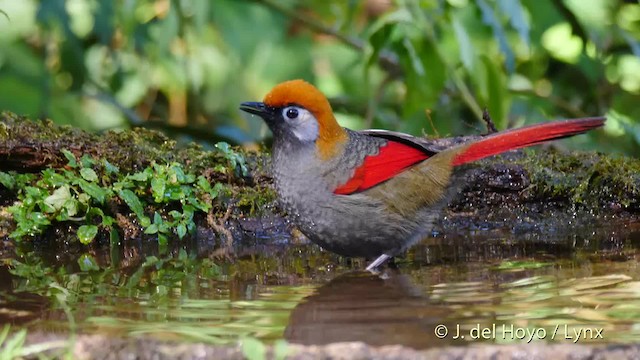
column 377, row 262
column 384, row 257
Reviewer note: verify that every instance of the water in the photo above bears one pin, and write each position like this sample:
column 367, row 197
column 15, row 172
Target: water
column 495, row 287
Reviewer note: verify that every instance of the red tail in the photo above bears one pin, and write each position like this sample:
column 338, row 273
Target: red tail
column 526, row 136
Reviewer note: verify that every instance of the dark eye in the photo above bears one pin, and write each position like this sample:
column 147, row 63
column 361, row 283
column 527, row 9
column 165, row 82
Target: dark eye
column 291, row 113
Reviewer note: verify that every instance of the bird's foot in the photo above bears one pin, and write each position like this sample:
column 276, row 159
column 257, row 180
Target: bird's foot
column 373, row 267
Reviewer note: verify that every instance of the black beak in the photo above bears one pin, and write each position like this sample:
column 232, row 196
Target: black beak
column 258, row 108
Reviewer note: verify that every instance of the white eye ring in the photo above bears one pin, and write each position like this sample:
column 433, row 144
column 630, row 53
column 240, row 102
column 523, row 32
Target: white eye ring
column 301, row 123
column 291, row 112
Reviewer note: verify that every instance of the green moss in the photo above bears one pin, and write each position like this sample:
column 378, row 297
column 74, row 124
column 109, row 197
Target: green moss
column 253, row 200
column 130, row 150
column 587, row 179
column 4, row 133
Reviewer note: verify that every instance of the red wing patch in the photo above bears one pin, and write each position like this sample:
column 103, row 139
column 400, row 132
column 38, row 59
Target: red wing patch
column 392, row 159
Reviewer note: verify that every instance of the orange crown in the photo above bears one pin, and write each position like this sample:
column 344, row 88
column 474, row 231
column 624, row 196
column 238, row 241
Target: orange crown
column 331, row 135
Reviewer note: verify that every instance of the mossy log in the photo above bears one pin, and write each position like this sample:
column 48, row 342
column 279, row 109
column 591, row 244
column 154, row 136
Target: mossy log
column 529, row 190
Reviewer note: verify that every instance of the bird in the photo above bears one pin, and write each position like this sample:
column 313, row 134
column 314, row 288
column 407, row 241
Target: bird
column 371, row 193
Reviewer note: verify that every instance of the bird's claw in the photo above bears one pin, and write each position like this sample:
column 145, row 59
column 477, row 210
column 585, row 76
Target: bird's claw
column 373, row 267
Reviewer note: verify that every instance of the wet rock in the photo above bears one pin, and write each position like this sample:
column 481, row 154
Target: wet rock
column 100, row 347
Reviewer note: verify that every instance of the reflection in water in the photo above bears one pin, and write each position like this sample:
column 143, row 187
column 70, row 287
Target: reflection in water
column 527, row 289
column 360, row 307
column 364, row 307
column 18, row 308
column 576, row 280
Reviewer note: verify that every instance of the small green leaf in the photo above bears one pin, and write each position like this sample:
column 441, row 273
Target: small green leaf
column 163, row 240
column 108, row 220
column 72, row 161
column 164, row 227
column 35, row 192
column 88, row 263
column 187, row 211
column 145, row 221
column 181, row 229
column 71, row 209
column 88, row 174
column 94, row 190
column 39, row 218
column 132, row 200
column 189, row 178
column 176, row 192
column 141, row 176
column 203, row 183
column 110, row 168
column 151, row 229
column 84, row 198
column 51, row 177
column 124, row 184
column 22, row 179
column 179, row 173
column 224, row 147
column 86, row 233
column 87, row 161
column 59, row 197
column 158, row 187
column 7, row 180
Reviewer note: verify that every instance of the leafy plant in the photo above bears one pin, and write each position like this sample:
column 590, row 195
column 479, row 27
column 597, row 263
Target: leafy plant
column 72, row 194
column 81, row 193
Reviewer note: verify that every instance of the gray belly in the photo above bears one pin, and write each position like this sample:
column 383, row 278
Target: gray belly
column 353, row 225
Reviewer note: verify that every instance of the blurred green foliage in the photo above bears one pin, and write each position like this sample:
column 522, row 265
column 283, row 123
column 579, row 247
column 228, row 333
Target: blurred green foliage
column 417, row 66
